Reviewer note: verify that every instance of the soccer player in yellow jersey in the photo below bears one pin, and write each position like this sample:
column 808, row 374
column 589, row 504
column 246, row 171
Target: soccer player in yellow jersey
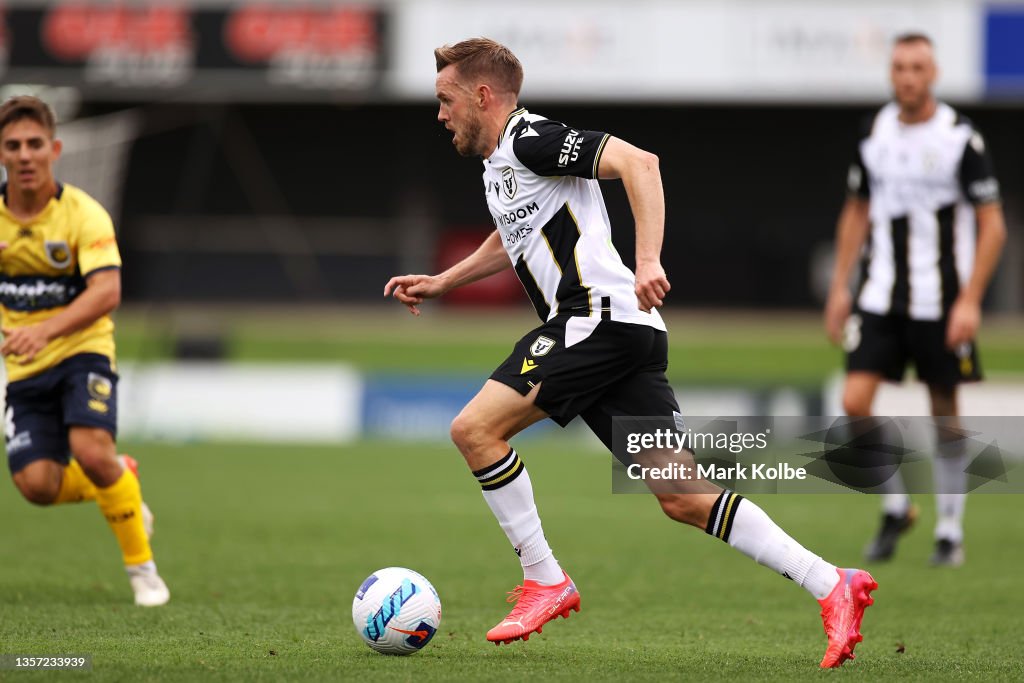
column 60, row 278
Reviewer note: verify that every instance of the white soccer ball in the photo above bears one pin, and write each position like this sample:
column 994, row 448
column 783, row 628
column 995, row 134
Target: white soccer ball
column 396, row 611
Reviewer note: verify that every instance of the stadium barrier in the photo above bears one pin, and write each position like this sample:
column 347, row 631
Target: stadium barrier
column 333, row 403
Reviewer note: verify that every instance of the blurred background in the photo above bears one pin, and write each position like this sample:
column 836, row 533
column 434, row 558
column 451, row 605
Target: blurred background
column 269, row 165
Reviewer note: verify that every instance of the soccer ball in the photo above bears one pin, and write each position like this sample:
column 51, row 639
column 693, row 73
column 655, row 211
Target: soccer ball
column 396, row 611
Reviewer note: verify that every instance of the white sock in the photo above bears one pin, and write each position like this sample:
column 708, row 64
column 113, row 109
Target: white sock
column 144, row 568
column 895, row 500
column 950, row 490
column 895, row 504
column 746, row 527
column 509, row 493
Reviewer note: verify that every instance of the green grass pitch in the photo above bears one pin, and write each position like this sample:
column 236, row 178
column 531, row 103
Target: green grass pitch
column 264, row 546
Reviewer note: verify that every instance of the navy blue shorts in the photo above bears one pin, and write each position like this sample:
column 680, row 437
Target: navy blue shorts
column 80, row 391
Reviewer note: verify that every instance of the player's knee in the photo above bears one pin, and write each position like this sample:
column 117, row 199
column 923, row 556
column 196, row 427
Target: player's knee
column 94, row 449
column 856, row 404
column 37, row 487
column 466, row 432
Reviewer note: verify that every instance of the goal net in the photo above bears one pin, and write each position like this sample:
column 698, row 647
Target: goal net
column 95, row 156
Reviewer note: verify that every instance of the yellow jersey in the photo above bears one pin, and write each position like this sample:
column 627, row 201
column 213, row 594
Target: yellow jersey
column 44, row 268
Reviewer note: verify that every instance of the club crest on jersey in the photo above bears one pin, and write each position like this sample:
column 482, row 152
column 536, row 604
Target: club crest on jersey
column 100, row 387
column 508, row 183
column 58, row 254
column 541, row 346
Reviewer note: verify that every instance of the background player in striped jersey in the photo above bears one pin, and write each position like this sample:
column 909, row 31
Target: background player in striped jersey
column 601, row 350
column 60, row 278
column 924, row 214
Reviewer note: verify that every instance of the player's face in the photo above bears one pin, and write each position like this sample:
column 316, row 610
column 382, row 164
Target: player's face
column 913, row 72
column 28, row 154
column 458, row 112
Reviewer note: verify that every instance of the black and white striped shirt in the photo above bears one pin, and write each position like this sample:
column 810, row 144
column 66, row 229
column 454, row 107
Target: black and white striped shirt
column 923, row 181
column 545, row 200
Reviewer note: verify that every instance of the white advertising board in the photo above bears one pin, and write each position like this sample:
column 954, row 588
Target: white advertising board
column 734, row 50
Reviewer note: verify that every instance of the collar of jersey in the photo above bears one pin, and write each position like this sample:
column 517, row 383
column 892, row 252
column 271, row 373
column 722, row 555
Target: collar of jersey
column 46, row 209
column 517, row 112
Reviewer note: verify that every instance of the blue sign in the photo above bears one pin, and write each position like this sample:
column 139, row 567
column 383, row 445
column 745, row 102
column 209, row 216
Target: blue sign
column 417, row 407
column 1004, row 50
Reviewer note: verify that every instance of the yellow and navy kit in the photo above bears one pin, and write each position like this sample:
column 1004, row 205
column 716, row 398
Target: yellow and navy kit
column 44, row 268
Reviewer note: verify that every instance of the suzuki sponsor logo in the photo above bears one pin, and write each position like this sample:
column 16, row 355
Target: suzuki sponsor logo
column 570, row 148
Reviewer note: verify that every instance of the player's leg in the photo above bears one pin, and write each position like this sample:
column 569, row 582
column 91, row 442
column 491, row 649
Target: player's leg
column 731, row 517
column 950, row 479
column 877, row 350
column 90, row 415
column 943, row 370
column 700, row 503
column 481, row 433
column 554, row 371
column 37, row 445
column 119, row 497
column 859, row 392
column 50, row 482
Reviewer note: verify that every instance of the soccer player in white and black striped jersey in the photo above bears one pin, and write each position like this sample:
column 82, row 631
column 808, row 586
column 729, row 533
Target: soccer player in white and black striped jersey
column 601, row 348
column 925, row 219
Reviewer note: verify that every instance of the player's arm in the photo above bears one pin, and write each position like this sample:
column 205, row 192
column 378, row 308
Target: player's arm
column 965, row 315
column 979, row 185
column 851, row 233
column 101, row 296
column 488, row 259
column 641, row 177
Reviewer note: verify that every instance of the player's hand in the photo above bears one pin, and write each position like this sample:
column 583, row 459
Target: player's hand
column 25, row 342
column 964, row 321
column 411, row 290
column 651, row 285
column 837, row 310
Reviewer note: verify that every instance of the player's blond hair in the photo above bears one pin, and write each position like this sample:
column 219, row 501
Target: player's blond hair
column 483, row 59
column 28, row 107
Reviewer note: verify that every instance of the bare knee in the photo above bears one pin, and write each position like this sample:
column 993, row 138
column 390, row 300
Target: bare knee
column 469, row 434
column 859, row 393
column 39, row 482
column 857, row 403
column 96, row 452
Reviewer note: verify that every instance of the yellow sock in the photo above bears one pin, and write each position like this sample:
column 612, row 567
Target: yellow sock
column 75, row 487
column 121, row 504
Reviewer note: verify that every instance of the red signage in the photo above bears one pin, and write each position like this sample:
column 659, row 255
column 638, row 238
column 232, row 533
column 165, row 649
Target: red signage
column 257, row 33
column 75, row 31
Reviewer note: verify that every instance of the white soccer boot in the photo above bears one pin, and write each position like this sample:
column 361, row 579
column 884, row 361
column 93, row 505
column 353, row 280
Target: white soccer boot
column 150, row 590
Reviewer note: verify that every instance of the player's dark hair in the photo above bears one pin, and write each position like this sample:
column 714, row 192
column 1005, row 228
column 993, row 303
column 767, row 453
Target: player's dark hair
column 482, row 58
column 912, row 37
column 28, row 107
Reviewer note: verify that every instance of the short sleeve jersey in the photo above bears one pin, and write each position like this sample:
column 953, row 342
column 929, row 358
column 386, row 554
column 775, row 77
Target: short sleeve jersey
column 44, row 268
column 923, row 182
column 544, row 197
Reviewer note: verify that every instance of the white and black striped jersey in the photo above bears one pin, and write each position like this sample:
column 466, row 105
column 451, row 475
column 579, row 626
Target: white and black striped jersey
column 923, row 181
column 543, row 194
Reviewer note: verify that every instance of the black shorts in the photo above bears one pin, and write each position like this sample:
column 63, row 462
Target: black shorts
column 885, row 344
column 79, row 391
column 616, row 370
